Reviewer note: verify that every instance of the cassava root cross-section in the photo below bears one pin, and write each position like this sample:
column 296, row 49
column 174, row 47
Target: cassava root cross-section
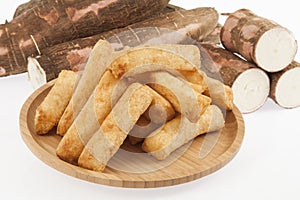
column 250, row 85
column 285, row 86
column 259, row 40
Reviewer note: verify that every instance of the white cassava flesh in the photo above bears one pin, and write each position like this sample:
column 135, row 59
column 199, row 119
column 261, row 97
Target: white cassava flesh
column 250, row 90
column 276, row 49
column 288, row 89
column 36, row 74
column 259, row 40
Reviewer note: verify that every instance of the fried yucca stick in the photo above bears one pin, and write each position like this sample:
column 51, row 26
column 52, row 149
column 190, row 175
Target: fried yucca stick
column 168, row 58
column 180, row 94
column 180, row 130
column 141, row 130
column 88, row 121
column 189, row 52
column 160, row 110
column 220, row 93
column 51, row 109
column 139, row 56
column 112, row 133
column 97, row 63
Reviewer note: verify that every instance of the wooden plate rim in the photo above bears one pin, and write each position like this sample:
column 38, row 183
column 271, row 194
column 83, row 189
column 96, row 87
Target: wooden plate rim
column 110, row 179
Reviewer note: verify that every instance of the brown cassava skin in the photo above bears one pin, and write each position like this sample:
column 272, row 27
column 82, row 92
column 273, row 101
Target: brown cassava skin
column 171, row 8
column 26, row 6
column 274, row 78
column 242, row 31
column 213, row 37
column 219, row 61
column 34, row 3
column 73, row 55
column 56, row 22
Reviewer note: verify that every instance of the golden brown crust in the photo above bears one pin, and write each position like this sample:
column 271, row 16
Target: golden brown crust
column 103, row 96
column 179, row 131
column 160, row 110
column 70, row 147
column 163, row 137
column 106, row 120
column 107, row 140
column 66, row 120
column 196, row 77
column 188, row 52
column 91, row 76
column 180, row 94
column 51, row 109
column 228, row 97
column 89, row 120
column 220, row 94
column 88, row 161
column 184, row 59
column 140, row 130
column 142, row 56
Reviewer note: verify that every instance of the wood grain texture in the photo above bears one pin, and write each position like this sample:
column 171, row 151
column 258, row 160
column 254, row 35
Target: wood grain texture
column 187, row 167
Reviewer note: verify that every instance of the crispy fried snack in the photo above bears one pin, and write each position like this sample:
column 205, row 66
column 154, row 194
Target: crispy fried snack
column 160, row 110
column 180, row 130
column 51, row 109
column 180, row 94
column 141, row 130
column 112, row 133
column 97, row 63
column 220, row 93
column 88, row 121
column 188, row 52
column 140, row 56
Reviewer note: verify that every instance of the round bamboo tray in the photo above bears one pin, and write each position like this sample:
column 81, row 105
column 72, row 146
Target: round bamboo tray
column 203, row 156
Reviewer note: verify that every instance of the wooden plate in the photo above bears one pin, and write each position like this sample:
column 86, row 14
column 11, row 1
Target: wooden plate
column 201, row 157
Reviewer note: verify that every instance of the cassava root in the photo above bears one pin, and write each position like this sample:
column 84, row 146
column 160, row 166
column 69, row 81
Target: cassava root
column 56, row 22
column 259, row 40
column 172, row 27
column 285, row 86
column 250, row 85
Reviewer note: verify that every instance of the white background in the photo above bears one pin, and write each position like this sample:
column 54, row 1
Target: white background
column 267, row 166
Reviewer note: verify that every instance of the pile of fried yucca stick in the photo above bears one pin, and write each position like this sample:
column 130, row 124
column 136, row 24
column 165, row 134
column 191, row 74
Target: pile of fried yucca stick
column 152, row 94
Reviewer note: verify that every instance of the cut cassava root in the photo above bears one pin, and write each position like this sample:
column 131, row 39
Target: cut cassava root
column 285, row 86
column 259, row 40
column 56, row 22
column 250, row 85
column 213, row 37
column 197, row 23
